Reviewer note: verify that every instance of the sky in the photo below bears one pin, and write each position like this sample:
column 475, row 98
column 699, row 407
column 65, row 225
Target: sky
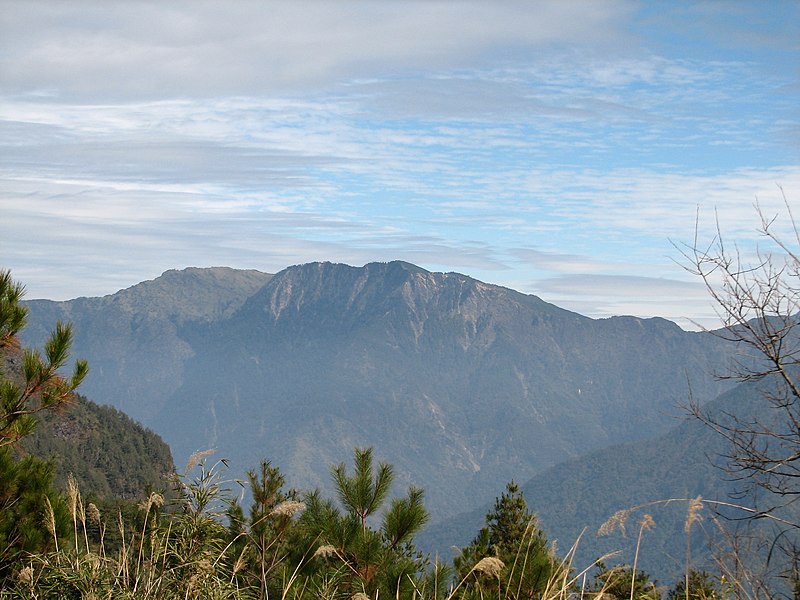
column 568, row 149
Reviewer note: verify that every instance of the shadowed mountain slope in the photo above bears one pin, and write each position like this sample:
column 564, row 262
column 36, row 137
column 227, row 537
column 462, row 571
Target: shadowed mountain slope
column 573, row 499
column 109, row 455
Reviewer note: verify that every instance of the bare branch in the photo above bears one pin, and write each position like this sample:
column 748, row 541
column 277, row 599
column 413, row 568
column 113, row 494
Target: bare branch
column 758, row 302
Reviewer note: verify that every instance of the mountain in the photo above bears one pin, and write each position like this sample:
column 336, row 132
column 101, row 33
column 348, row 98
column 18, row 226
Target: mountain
column 460, row 384
column 137, row 355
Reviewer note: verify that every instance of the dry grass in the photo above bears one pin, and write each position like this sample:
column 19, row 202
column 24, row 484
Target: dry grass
column 189, row 555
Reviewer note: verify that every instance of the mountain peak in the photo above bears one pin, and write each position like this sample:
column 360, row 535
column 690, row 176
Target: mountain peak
column 376, row 289
column 193, row 293
column 462, row 384
column 400, row 299
column 371, row 268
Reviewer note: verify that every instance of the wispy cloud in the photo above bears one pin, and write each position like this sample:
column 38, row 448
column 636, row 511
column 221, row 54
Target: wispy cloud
column 535, row 145
column 141, row 49
column 606, row 295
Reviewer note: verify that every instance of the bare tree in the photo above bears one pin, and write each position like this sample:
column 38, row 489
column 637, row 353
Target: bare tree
column 758, row 302
column 757, row 298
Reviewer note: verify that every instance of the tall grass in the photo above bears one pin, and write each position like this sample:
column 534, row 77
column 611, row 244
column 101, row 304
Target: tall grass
column 183, row 550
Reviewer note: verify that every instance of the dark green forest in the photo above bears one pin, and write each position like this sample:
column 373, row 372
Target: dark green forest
column 108, row 454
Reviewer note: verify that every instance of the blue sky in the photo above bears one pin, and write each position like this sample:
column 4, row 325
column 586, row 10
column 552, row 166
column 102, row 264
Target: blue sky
column 559, row 148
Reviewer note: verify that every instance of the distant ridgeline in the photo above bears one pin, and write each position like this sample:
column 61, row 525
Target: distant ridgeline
column 461, row 385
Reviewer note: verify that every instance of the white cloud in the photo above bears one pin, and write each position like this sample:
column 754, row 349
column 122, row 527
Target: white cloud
column 146, row 49
column 609, row 295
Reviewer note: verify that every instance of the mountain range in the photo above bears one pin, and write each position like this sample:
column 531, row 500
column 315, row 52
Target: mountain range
column 460, row 384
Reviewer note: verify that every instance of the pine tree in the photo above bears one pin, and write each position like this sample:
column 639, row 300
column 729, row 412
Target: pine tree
column 701, row 587
column 511, row 536
column 261, row 542
column 32, row 514
column 619, row 583
column 363, row 493
column 40, row 386
column 349, row 551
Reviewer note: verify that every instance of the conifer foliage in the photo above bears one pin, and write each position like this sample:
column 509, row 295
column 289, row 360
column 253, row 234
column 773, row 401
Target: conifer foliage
column 359, row 557
column 42, row 386
column 32, row 514
column 523, row 564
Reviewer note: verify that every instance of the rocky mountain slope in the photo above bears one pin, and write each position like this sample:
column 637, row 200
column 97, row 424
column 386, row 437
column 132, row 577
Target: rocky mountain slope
column 461, row 384
column 132, row 337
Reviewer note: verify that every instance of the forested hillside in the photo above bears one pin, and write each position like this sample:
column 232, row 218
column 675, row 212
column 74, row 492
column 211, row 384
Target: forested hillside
column 658, row 477
column 109, row 454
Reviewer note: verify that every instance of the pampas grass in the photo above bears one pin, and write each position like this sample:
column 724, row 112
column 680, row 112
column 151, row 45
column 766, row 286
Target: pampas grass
column 185, row 552
column 288, row 508
column 490, row 566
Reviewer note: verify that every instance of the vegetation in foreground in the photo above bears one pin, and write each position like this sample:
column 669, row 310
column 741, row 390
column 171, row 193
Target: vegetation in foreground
column 203, row 545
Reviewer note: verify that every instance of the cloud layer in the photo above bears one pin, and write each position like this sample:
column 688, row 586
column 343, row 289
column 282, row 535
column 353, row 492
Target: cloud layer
column 206, row 48
column 560, row 148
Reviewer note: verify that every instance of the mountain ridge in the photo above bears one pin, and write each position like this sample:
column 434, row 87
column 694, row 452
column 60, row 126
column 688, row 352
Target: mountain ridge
column 461, row 384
